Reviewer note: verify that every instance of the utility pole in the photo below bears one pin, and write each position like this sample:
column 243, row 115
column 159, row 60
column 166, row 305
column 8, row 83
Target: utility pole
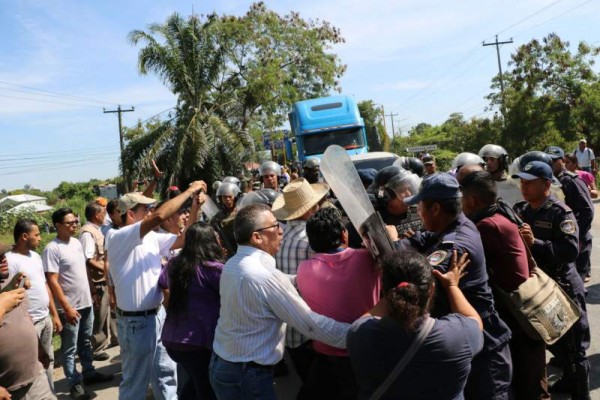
column 392, row 115
column 497, row 44
column 383, row 115
column 119, row 111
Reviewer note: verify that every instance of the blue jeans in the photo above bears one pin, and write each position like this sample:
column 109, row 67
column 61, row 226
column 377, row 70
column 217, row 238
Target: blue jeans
column 144, row 359
column 75, row 339
column 232, row 381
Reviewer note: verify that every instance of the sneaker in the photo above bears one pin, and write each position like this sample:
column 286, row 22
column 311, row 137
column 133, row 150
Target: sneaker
column 97, row 377
column 101, row 356
column 78, row 393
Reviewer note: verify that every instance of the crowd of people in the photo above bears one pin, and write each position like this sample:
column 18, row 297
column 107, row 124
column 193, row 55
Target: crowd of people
column 208, row 292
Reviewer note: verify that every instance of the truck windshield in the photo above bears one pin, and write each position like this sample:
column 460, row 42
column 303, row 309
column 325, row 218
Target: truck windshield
column 316, row 143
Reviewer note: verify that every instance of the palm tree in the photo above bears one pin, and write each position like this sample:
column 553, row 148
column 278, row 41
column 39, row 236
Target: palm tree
column 196, row 143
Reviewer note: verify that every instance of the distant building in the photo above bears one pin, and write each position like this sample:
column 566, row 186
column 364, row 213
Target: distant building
column 19, row 202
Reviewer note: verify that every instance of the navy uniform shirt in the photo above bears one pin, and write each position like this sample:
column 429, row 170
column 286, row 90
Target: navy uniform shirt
column 556, row 243
column 462, row 235
column 577, row 197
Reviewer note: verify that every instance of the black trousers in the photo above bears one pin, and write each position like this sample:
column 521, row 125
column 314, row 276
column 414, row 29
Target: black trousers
column 331, row 377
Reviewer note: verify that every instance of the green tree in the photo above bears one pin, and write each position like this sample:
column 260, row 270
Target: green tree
column 229, row 74
column 377, row 137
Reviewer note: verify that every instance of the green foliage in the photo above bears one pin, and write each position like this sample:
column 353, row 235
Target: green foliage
column 377, row 137
column 229, row 74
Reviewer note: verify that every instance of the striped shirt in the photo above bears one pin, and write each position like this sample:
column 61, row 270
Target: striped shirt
column 256, row 302
column 294, row 249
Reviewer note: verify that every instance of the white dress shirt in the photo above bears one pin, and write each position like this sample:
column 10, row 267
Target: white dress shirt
column 256, row 301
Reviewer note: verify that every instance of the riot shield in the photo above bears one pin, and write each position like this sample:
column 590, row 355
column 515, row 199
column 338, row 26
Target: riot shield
column 342, row 177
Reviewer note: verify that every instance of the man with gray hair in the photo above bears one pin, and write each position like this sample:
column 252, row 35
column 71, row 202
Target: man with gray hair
column 256, row 301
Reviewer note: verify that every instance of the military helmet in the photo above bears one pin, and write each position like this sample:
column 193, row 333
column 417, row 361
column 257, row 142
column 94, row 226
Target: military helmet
column 467, row 158
column 232, row 179
column 534, row 156
column 262, row 196
column 312, row 162
column 269, row 167
column 395, row 179
column 216, row 185
column 228, row 189
column 412, row 164
column 495, row 151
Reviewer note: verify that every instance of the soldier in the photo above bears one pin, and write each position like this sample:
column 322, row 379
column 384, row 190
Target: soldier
column 448, row 229
column 222, row 222
column 577, row 197
column 269, row 173
column 550, row 231
column 310, row 170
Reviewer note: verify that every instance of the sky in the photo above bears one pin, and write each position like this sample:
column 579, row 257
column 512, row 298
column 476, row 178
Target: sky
column 62, row 63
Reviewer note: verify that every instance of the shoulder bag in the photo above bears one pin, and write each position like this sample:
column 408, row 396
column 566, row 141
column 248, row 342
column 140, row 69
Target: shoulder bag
column 414, row 347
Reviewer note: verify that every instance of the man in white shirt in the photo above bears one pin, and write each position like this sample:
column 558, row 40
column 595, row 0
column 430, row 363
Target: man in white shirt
column 256, row 301
column 23, row 259
column 64, row 264
column 585, row 157
column 134, row 254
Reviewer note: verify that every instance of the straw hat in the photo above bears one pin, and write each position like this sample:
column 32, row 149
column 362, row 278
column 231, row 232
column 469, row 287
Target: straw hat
column 298, row 197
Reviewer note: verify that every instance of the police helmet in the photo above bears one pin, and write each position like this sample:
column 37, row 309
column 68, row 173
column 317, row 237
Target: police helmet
column 215, row 185
column 534, row 156
column 466, row 159
column 232, row 179
column 495, row 151
column 312, row 162
column 269, row 167
column 395, row 179
column 228, row 189
column 262, row 196
column 514, row 168
column 412, row 164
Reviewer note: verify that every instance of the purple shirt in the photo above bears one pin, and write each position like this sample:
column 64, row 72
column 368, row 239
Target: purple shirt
column 194, row 326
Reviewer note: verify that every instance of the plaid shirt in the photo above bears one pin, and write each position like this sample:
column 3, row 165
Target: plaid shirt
column 294, row 249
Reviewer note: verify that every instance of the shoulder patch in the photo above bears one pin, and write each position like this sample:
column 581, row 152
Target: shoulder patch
column 568, row 226
column 437, row 257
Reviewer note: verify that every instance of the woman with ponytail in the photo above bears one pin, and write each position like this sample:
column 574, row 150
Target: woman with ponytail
column 381, row 338
column 190, row 284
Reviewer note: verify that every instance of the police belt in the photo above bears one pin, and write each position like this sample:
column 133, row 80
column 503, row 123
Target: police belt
column 145, row 313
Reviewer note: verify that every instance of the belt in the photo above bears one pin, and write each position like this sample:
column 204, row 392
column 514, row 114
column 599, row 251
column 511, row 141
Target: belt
column 122, row 313
column 247, row 364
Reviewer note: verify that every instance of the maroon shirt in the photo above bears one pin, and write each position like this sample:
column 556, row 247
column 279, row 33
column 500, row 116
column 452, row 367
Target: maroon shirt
column 505, row 252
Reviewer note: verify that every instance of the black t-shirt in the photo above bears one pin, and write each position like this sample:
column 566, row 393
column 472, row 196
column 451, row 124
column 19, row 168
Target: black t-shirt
column 438, row 370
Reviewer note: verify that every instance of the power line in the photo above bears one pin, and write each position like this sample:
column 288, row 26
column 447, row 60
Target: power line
column 19, row 172
column 529, row 16
column 58, row 156
column 58, row 93
column 47, row 101
column 149, row 118
column 554, row 17
column 59, row 151
column 51, row 163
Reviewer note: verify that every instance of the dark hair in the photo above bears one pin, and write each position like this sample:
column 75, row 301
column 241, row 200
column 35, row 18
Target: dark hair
column 59, row 215
column 23, row 226
column 92, row 209
column 324, row 230
column 572, row 158
column 247, row 221
column 111, row 206
column 200, row 246
column 452, row 207
column 481, row 185
column 409, row 302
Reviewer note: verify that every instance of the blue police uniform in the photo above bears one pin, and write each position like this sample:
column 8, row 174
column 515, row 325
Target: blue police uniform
column 577, row 197
column 555, row 249
column 491, row 370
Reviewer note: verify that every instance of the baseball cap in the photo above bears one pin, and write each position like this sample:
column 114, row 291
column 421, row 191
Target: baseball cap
column 438, row 186
column 130, row 200
column 535, row 170
column 583, row 141
column 101, row 200
column 428, row 159
column 555, row 152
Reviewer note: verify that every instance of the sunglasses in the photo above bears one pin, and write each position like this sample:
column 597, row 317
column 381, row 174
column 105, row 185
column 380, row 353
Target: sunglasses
column 268, row 227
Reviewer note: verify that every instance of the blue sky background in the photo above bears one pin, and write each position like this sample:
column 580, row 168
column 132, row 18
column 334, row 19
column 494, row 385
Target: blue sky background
column 61, row 62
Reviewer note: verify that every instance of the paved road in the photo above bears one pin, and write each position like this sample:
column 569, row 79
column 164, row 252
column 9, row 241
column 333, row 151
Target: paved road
column 286, row 387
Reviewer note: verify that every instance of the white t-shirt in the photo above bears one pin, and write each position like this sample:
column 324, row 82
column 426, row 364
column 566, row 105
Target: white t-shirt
column 135, row 266
column 585, row 157
column 68, row 261
column 31, row 266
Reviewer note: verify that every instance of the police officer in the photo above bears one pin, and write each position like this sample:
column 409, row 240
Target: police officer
column 465, row 163
column 496, row 161
column 429, row 164
column 390, row 186
column 310, row 170
column 269, row 173
column 412, row 164
column 577, row 197
column 550, row 231
column 227, row 196
column 448, row 229
column 262, row 196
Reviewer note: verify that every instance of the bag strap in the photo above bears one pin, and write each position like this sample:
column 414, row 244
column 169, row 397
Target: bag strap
column 414, row 347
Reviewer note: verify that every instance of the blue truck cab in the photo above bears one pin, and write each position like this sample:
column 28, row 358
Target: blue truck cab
column 318, row 123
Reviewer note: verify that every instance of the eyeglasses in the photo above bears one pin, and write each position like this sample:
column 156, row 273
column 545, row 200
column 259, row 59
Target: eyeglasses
column 268, row 227
column 70, row 222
